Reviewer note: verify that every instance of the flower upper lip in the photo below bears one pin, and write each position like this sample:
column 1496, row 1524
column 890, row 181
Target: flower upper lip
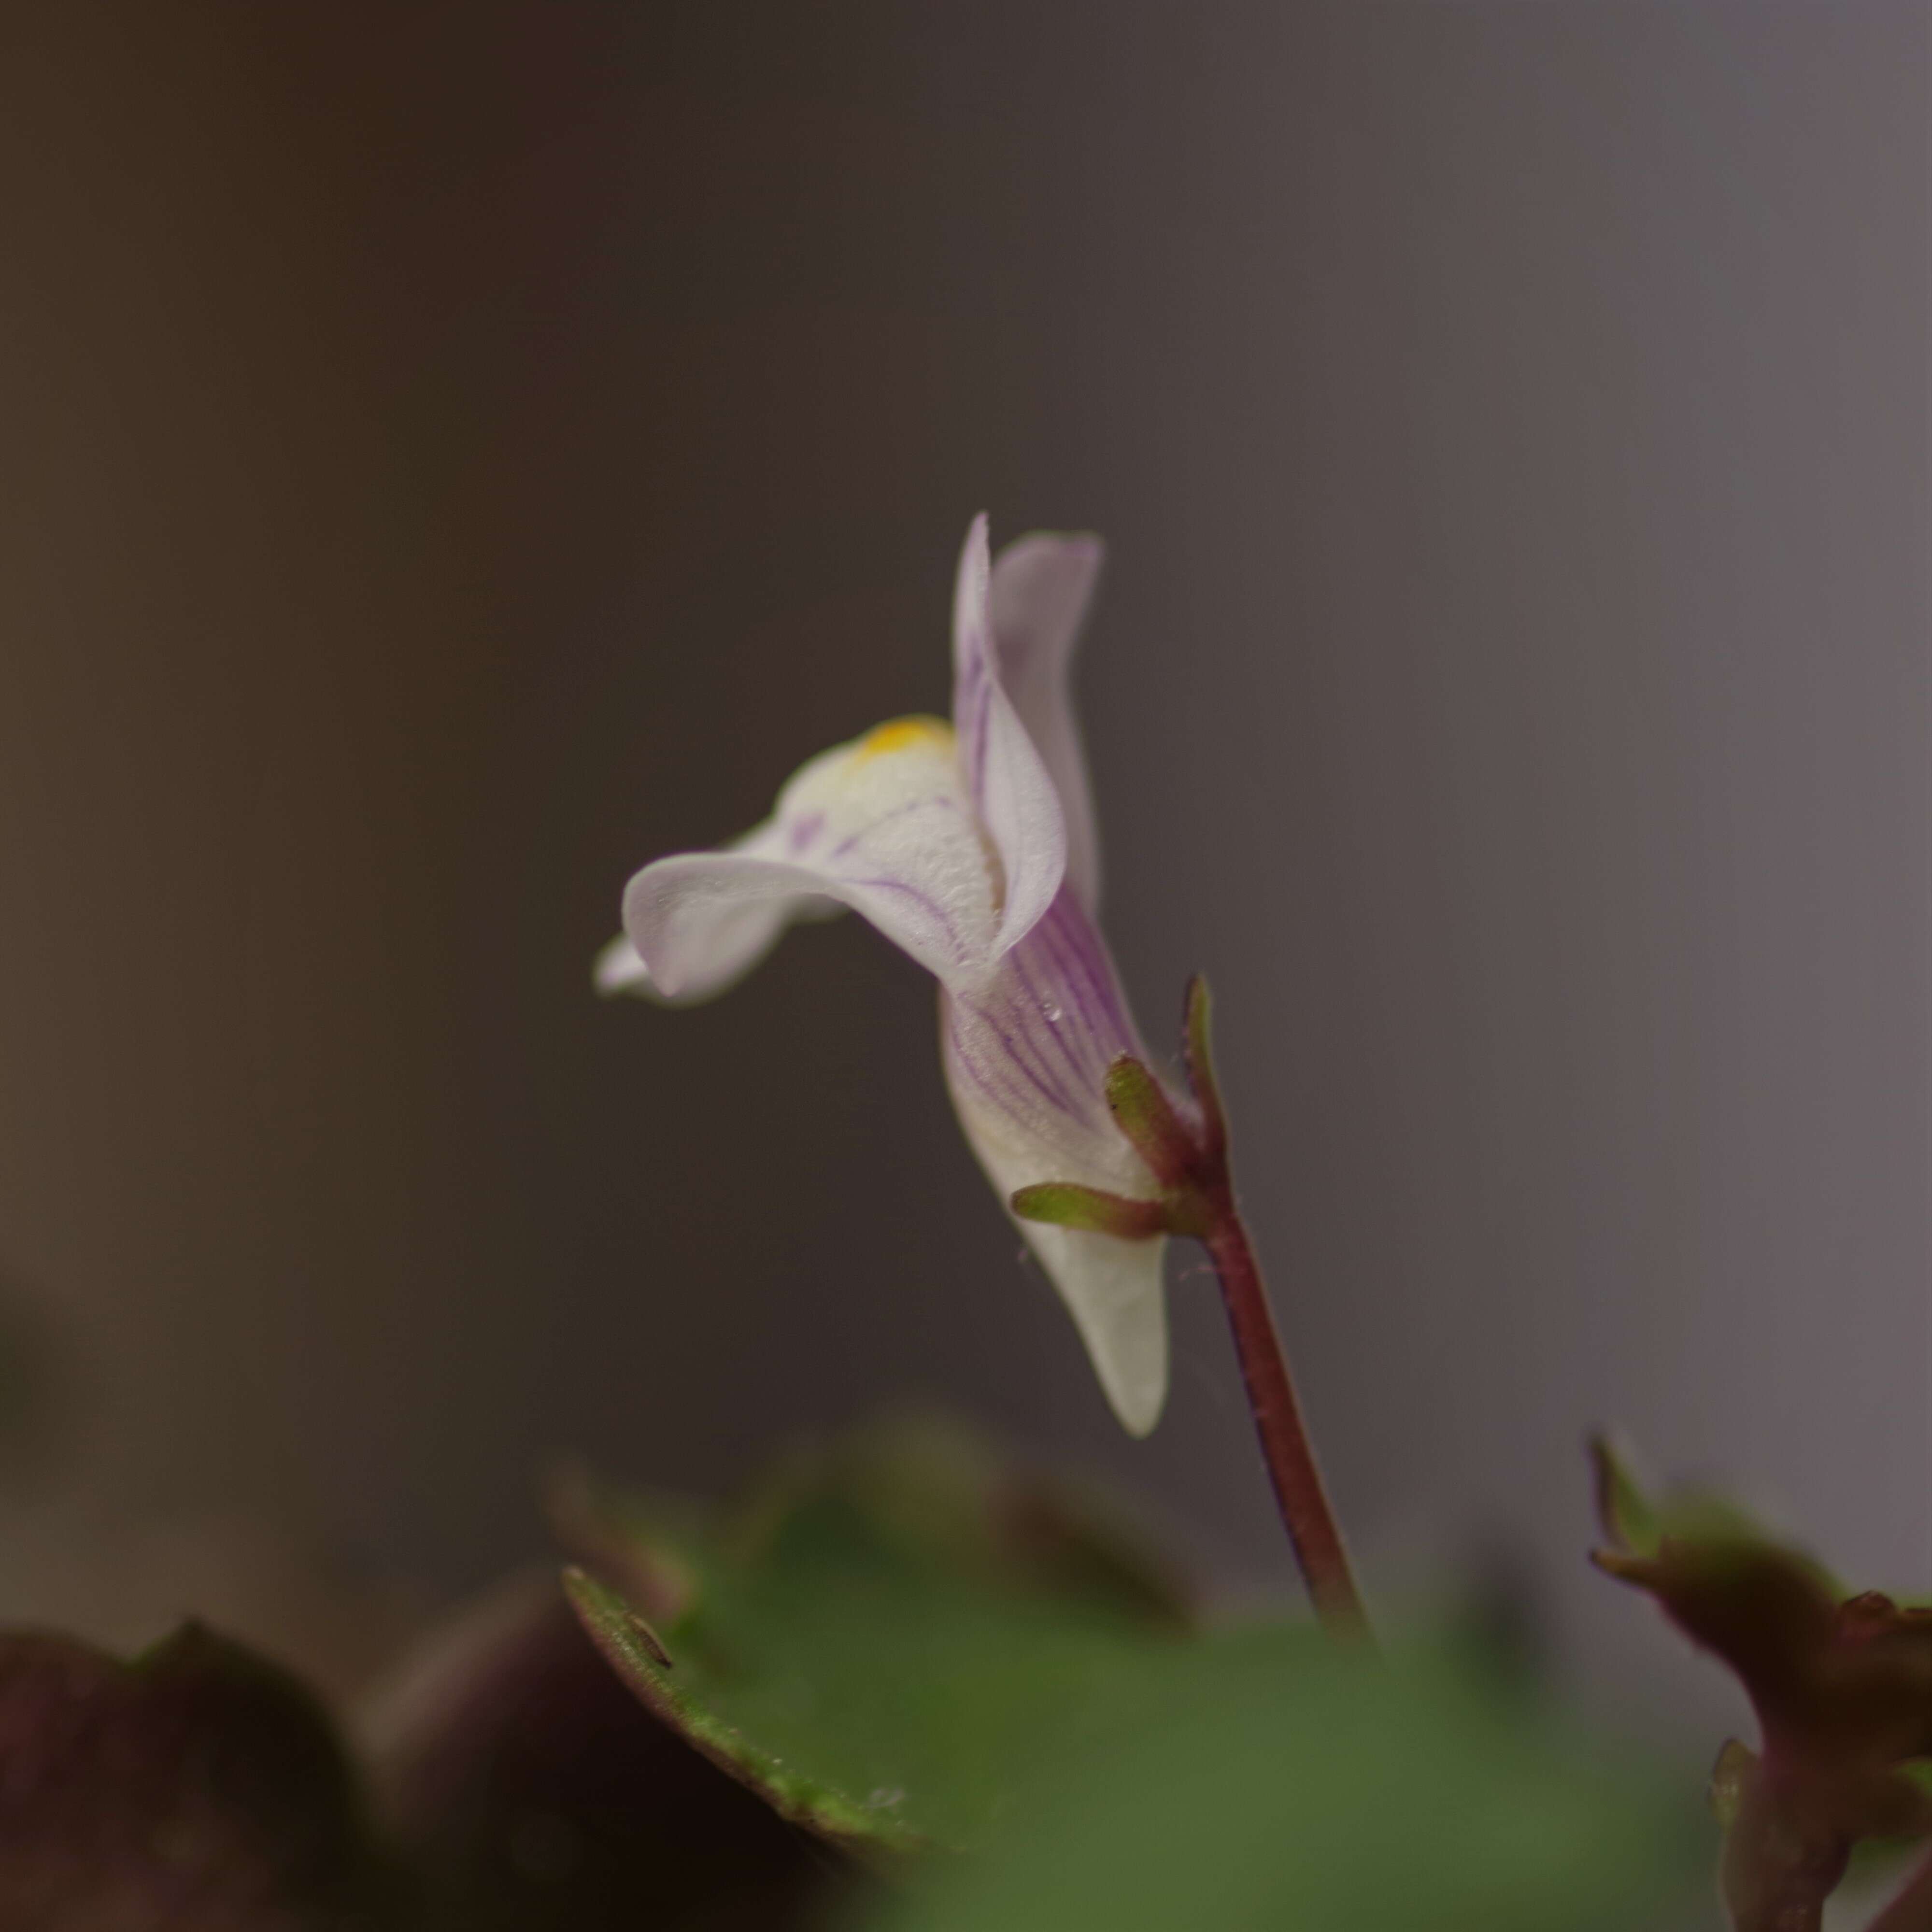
column 703, row 919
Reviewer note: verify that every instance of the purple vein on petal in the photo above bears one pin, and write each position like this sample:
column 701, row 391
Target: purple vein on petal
column 1038, row 1007
column 973, row 704
column 1049, row 1090
column 1048, row 1019
column 1033, row 1063
column 1067, row 928
column 1090, row 1013
column 1000, row 1092
column 1074, row 933
column 926, row 899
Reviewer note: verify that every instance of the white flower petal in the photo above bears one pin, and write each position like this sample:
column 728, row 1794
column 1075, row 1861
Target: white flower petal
column 722, row 941
column 1115, row 1292
column 1008, row 783
column 733, row 939
column 881, row 825
column 1026, row 1050
column 620, row 970
column 1112, row 1288
column 1040, row 590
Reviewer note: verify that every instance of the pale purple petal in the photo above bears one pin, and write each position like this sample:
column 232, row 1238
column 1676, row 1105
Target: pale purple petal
column 881, row 825
column 1011, row 792
column 1026, row 1050
column 1112, row 1288
column 1040, row 589
column 1034, row 1038
column 718, row 948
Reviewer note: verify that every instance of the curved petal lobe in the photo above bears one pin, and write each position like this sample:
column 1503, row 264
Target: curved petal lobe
column 1040, row 589
column 620, row 970
column 734, row 938
column 881, row 825
column 1112, row 1288
column 1011, row 790
column 1026, row 1050
column 1115, row 1292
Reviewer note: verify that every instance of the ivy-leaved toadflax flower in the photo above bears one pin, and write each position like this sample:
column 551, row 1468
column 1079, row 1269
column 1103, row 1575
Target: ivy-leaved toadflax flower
column 971, row 846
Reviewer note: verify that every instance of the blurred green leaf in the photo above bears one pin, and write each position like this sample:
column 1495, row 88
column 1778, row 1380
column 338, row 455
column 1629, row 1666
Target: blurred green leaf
column 881, row 1636
column 898, row 1644
column 1317, row 1792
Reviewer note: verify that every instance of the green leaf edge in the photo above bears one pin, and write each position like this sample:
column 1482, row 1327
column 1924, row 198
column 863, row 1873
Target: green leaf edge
column 1624, row 1511
column 633, row 1650
column 1640, row 1525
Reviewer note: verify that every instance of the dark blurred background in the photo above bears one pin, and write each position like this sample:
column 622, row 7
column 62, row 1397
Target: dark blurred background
column 452, row 454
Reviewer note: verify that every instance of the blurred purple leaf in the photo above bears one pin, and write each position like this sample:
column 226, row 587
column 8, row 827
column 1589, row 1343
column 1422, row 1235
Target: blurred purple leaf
column 197, row 1787
column 1842, row 1686
column 530, row 1790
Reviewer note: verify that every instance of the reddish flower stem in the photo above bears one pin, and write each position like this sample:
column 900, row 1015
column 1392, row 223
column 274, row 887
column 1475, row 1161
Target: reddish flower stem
column 1285, row 1449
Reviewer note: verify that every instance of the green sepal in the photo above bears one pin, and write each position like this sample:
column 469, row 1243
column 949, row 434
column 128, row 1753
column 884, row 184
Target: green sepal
column 1144, row 1114
column 1091, row 1210
column 1197, row 1034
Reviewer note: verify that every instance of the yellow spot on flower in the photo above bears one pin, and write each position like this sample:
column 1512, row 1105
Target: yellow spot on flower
column 904, row 734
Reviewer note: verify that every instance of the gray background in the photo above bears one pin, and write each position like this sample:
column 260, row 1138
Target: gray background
column 453, row 453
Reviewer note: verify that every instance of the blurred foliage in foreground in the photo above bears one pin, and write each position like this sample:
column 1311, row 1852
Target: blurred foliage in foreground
column 1841, row 1685
column 904, row 1688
